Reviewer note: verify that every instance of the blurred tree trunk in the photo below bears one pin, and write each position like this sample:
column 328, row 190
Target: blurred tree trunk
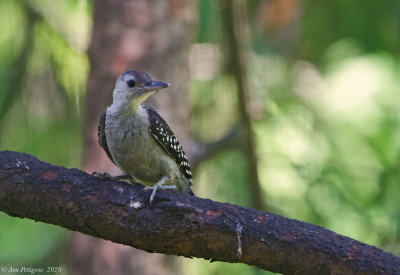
column 235, row 19
column 151, row 36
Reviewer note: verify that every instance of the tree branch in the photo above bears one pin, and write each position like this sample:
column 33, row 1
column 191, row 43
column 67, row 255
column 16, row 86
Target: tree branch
column 179, row 224
column 201, row 152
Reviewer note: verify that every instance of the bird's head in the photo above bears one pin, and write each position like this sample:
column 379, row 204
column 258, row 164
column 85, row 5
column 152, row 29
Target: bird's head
column 133, row 87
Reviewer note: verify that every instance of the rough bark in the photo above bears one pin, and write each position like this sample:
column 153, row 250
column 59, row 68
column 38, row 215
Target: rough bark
column 179, row 224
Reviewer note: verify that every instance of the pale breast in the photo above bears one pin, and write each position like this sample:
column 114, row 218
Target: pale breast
column 134, row 150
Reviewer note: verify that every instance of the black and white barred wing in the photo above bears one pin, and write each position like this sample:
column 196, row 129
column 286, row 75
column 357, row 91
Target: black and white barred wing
column 166, row 138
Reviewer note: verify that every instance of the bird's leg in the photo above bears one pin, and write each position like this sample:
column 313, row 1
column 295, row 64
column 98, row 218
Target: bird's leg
column 158, row 185
column 108, row 176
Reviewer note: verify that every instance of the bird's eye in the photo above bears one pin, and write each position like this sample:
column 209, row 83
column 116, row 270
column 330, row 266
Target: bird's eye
column 131, row 83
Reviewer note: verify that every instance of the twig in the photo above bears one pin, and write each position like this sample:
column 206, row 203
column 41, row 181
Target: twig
column 203, row 151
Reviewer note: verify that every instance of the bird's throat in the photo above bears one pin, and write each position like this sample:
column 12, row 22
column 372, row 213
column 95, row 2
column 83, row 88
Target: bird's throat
column 123, row 105
column 133, row 104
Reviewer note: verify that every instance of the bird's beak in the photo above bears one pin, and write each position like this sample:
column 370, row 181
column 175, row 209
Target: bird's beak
column 155, row 85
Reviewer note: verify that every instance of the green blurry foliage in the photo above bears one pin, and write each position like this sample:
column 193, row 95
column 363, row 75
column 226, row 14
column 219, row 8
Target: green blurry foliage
column 374, row 24
column 328, row 132
column 325, row 153
column 40, row 96
column 213, row 99
column 27, row 242
column 326, row 115
column 11, row 18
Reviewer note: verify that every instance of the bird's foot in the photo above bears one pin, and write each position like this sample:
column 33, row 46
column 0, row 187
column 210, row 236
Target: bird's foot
column 158, row 185
column 108, row 176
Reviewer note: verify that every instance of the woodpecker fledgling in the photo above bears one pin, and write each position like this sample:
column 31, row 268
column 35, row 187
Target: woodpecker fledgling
column 138, row 140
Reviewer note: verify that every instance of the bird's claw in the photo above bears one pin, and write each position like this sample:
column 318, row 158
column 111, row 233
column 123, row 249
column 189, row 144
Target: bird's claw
column 101, row 175
column 158, row 185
